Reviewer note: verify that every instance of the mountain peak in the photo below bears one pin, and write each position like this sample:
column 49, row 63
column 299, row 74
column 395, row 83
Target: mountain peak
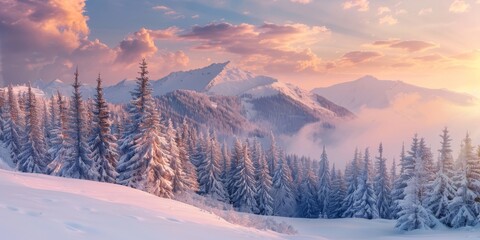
column 368, row 78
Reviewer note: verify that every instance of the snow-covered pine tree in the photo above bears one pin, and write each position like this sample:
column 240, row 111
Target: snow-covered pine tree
column 190, row 171
column 365, row 205
column 179, row 181
column 283, row 197
column 12, row 131
column 381, row 185
column 145, row 165
column 78, row 163
column 352, row 173
column 393, row 176
column 324, row 186
column 264, row 187
column 442, row 189
column 464, row 209
column 308, row 205
column 209, row 171
column 226, row 164
column 103, row 144
column 338, row 194
column 406, row 171
column 32, row 157
column 57, row 150
column 413, row 215
column 243, row 183
column 273, row 155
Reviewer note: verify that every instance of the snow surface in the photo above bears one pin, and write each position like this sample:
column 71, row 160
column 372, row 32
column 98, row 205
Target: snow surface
column 371, row 92
column 34, row 206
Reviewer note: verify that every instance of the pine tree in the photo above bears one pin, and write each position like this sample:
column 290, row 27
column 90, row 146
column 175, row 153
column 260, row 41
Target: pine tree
column 264, row 187
column 366, row 203
column 57, row 150
column 77, row 160
column 226, row 164
column 406, row 170
column 442, row 188
column 209, row 171
column 12, row 132
column 324, row 186
column 273, row 155
column 464, row 209
column 102, row 142
column 243, row 183
column 381, row 185
column 144, row 164
column 308, row 203
column 180, row 179
column 352, row 174
column 32, row 157
column 283, row 197
column 413, row 214
column 338, row 194
column 190, row 171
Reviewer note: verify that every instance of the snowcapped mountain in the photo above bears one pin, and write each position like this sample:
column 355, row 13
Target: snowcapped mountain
column 266, row 101
column 371, row 92
column 65, row 89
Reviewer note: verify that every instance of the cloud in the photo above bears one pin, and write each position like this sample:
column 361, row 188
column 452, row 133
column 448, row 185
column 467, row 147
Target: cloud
column 425, row 11
column 430, row 58
column 408, row 113
column 388, row 19
column 47, row 39
column 161, row 8
column 468, row 56
column 301, row 1
column 360, row 5
column 410, row 46
column 272, row 46
column 459, row 6
column 382, row 10
column 360, row 56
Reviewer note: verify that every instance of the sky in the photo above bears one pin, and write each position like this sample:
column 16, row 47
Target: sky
column 431, row 43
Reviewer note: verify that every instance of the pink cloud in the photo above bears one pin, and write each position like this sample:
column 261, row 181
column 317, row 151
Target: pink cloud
column 360, row 5
column 273, row 46
column 356, row 57
column 410, row 45
column 459, row 6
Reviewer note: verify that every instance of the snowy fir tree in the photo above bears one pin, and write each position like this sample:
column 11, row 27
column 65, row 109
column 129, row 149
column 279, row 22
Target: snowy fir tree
column 442, row 189
column 406, row 169
column 243, row 182
column 337, row 195
column 464, row 208
column 208, row 170
column 365, row 205
column 324, row 186
column 273, row 155
column 180, row 179
column 381, row 185
column 32, row 157
column 146, row 167
column 413, row 214
column 264, row 187
column 308, row 206
column 188, row 168
column 77, row 162
column 57, row 150
column 352, row 173
column 103, row 143
column 283, row 197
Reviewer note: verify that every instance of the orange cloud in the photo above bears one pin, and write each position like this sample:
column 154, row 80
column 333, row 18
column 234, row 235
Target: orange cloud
column 410, row 46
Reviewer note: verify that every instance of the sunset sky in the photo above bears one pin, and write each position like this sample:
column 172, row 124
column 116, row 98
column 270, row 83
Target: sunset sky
column 432, row 43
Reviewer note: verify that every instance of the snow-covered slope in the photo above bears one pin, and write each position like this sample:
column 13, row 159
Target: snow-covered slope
column 64, row 88
column 36, row 206
column 370, row 92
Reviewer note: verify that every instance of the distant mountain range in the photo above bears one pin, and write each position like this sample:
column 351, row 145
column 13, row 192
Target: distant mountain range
column 232, row 100
column 371, row 92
